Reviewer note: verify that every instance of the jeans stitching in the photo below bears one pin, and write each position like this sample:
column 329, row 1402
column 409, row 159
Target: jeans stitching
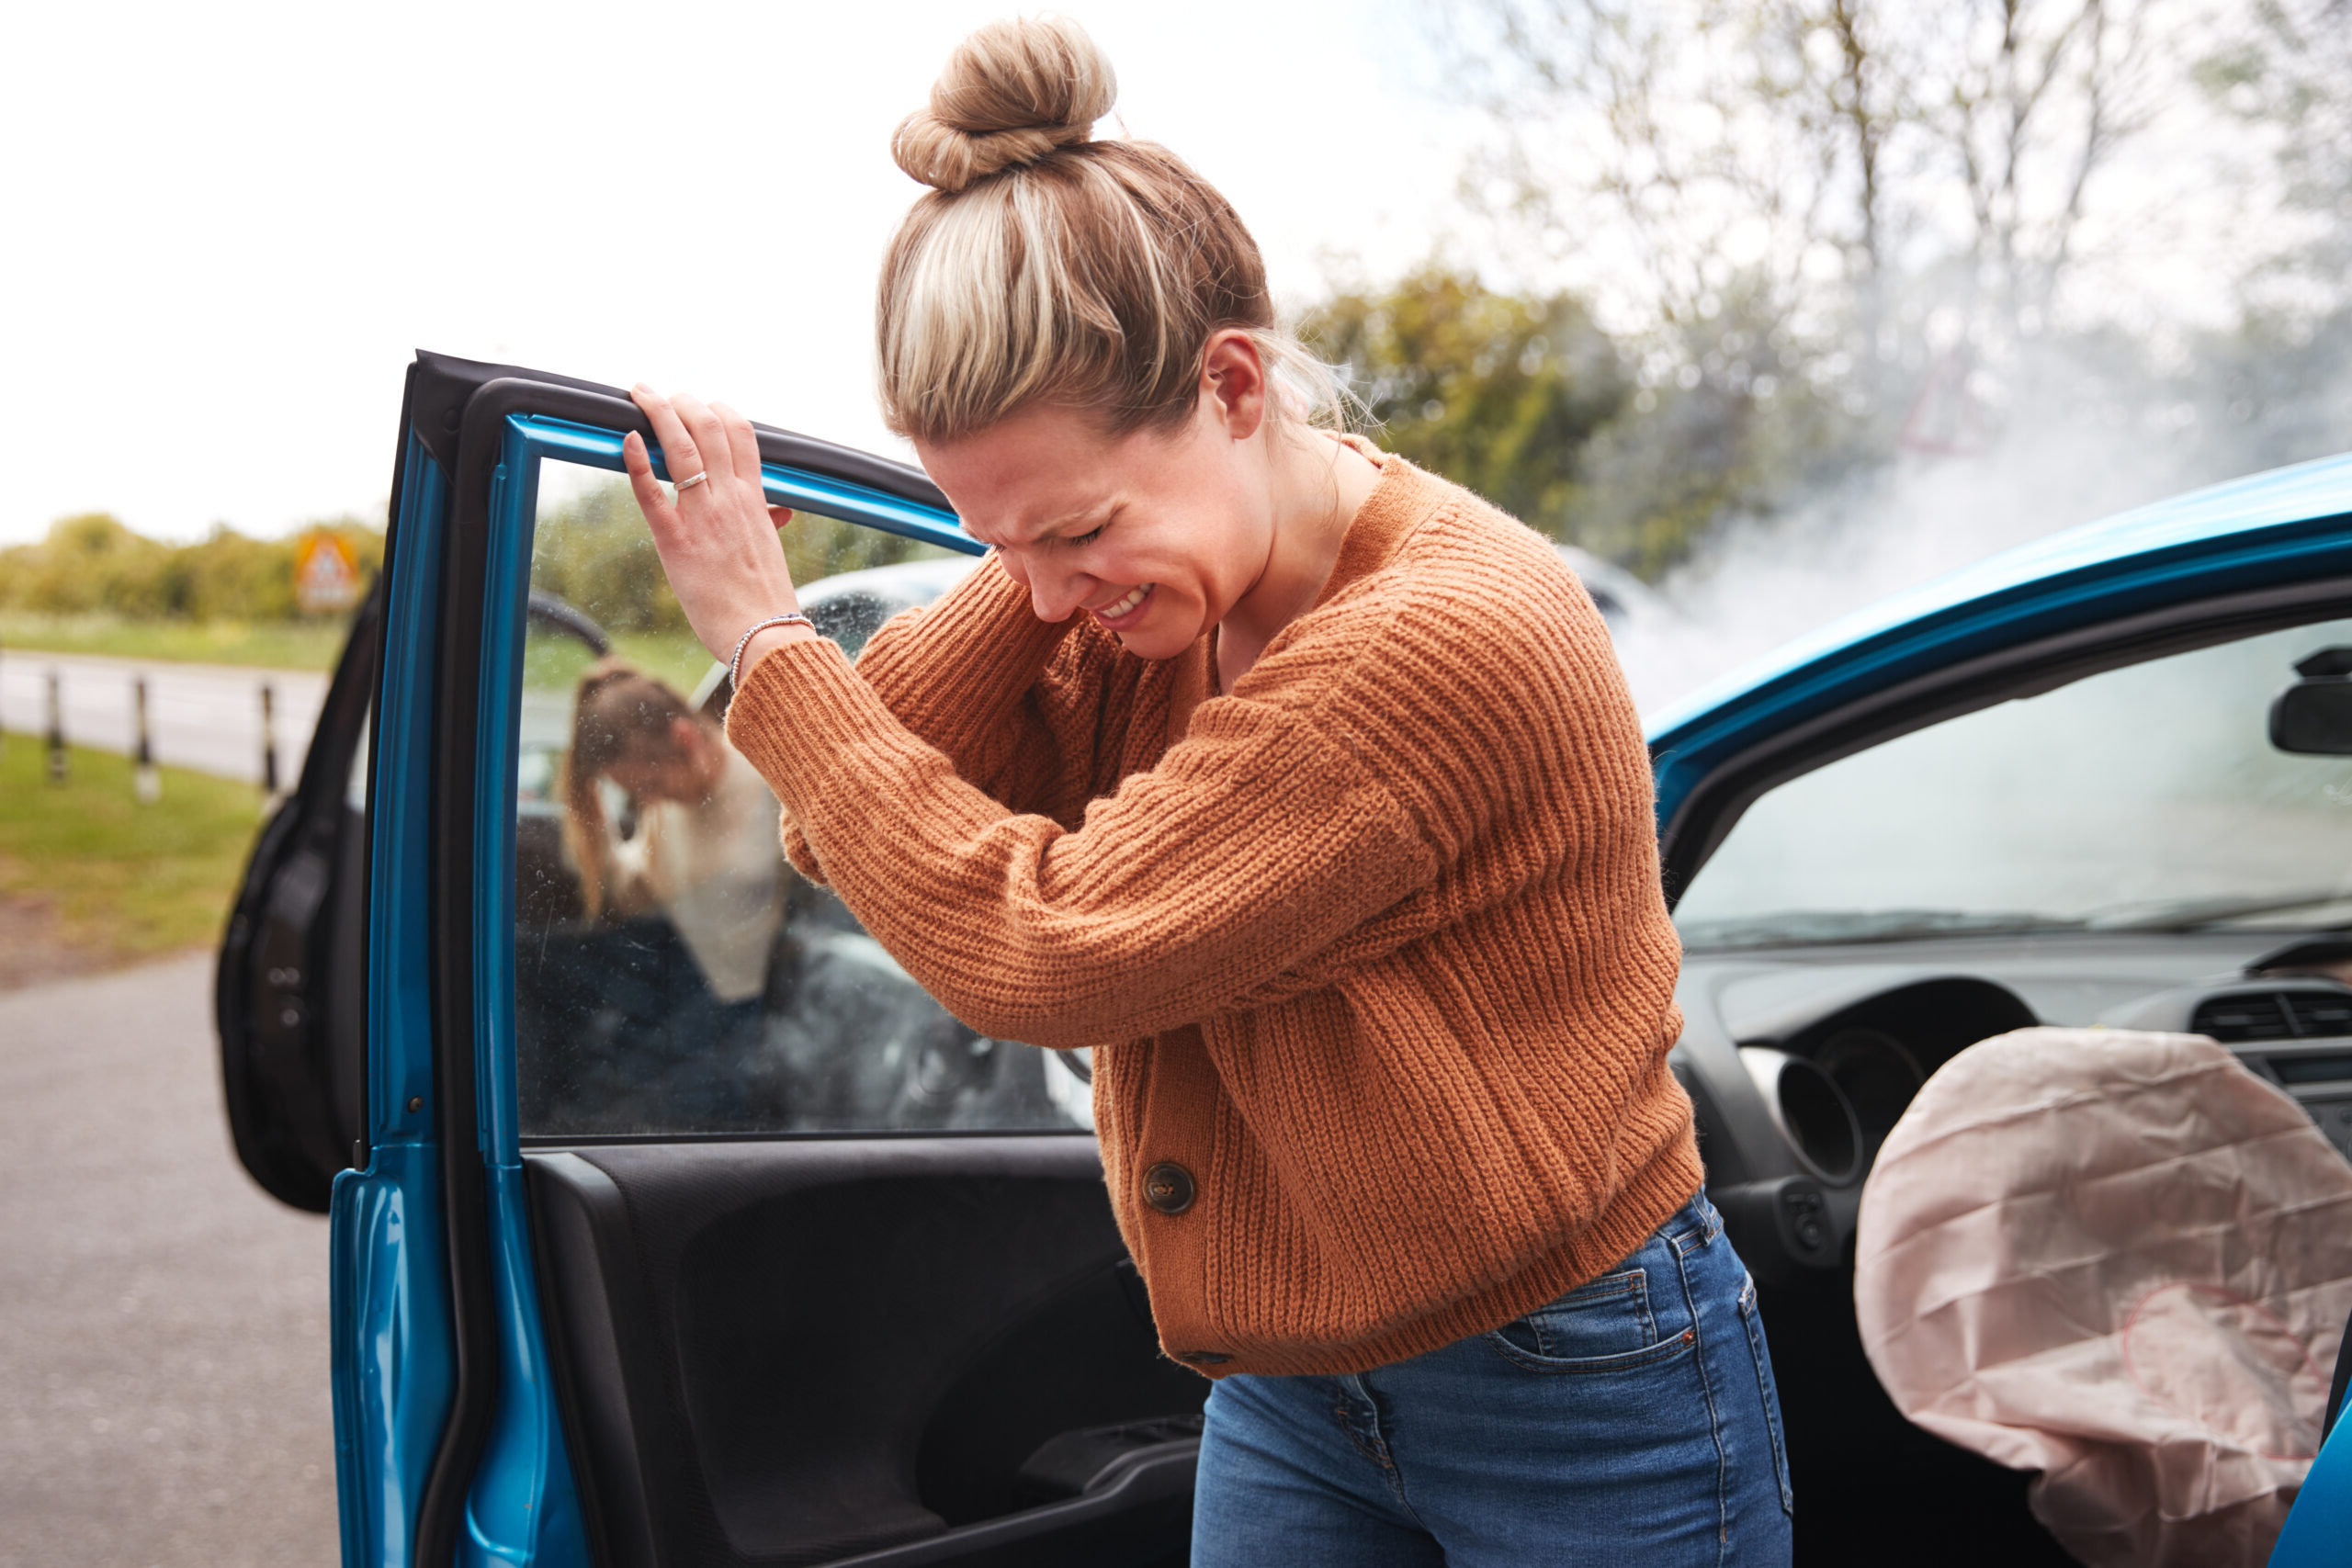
column 1369, row 1439
column 1630, row 1282
column 1587, row 1366
column 1394, row 1471
column 1751, row 1318
column 1702, row 1231
column 1714, row 1420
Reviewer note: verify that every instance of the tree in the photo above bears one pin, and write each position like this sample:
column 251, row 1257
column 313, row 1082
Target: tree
column 94, row 564
column 1819, row 150
column 1496, row 392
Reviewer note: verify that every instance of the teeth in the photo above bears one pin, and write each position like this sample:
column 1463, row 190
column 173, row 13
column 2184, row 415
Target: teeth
column 1126, row 605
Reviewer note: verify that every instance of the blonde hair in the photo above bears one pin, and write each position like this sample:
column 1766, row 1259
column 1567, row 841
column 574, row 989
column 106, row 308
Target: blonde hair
column 618, row 711
column 1048, row 264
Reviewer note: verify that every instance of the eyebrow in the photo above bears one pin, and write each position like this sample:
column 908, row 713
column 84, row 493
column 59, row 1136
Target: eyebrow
column 1084, row 521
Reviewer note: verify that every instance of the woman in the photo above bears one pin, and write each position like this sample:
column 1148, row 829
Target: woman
column 1304, row 786
column 703, row 855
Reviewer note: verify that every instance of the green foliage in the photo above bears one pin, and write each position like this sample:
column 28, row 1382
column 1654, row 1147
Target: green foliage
column 594, row 551
column 1496, row 392
column 269, row 645
column 126, row 880
column 1631, row 450
column 93, row 565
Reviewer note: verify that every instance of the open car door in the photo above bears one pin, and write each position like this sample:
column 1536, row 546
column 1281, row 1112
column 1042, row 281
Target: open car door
column 686, row 1229
column 289, row 990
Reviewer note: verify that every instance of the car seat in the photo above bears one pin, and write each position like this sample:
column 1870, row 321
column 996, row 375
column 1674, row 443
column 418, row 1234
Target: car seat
column 2124, row 1260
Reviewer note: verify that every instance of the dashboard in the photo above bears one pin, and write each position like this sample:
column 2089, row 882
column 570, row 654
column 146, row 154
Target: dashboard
column 1801, row 1060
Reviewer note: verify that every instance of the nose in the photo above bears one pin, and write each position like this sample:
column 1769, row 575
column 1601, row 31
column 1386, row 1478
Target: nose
column 1053, row 594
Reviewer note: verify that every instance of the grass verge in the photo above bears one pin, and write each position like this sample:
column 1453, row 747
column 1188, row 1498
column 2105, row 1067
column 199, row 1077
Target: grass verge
column 290, row 644
column 126, row 881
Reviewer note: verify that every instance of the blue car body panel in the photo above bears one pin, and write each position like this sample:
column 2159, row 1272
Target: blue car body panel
column 2288, row 525
column 391, row 1328
column 394, row 1367
column 2319, row 1529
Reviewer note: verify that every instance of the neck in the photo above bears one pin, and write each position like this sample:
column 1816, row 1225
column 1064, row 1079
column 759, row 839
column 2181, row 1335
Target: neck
column 1319, row 483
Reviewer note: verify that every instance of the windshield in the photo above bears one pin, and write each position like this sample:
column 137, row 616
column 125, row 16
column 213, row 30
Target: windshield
column 2147, row 797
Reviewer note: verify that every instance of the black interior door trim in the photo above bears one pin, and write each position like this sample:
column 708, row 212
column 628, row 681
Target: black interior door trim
column 466, row 1221
column 457, row 408
column 691, row 1293
column 2027, row 669
column 446, row 416
column 288, row 1132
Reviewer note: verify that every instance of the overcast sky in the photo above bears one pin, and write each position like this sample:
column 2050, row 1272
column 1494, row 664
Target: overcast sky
column 230, row 224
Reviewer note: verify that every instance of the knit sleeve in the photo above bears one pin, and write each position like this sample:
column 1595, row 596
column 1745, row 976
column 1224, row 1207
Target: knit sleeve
column 1255, row 842
column 1011, row 700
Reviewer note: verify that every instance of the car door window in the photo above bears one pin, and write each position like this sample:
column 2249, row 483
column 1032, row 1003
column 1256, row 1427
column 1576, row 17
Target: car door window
column 675, row 974
column 2145, row 798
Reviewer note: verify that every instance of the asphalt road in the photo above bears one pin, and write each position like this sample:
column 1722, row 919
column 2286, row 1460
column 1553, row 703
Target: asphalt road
column 163, row 1395
column 205, row 716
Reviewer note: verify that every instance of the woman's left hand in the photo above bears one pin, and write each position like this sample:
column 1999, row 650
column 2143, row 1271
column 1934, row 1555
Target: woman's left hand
column 717, row 539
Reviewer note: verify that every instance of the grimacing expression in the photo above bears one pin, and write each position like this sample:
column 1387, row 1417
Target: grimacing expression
column 1155, row 534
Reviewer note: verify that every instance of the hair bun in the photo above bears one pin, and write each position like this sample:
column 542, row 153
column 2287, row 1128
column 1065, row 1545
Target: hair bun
column 1011, row 93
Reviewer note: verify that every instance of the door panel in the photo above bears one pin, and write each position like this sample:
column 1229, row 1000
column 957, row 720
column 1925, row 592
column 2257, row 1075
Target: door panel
column 681, row 1319
column 289, row 992
column 804, row 1351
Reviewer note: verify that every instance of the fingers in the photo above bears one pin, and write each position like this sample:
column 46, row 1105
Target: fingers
column 641, row 482
column 742, row 444
column 679, row 453
column 709, row 436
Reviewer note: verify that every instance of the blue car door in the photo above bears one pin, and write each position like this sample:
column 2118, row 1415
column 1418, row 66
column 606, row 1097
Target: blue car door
column 683, row 1227
column 2050, row 788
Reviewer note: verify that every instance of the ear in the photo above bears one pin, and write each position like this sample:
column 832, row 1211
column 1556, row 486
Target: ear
column 1233, row 383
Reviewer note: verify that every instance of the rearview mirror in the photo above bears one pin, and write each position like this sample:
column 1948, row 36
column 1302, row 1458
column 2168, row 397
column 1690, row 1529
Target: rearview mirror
column 2313, row 716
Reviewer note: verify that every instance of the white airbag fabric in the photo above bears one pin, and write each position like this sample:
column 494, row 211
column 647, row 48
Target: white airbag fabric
column 2121, row 1259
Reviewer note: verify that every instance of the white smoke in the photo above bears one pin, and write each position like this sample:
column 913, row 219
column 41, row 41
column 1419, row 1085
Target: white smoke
column 1758, row 582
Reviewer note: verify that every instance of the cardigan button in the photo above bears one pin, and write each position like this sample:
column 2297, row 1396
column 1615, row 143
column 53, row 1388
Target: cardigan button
column 1167, row 1186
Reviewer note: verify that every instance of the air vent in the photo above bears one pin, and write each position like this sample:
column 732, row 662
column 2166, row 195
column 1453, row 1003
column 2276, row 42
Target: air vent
column 2273, row 1015
column 2319, row 1013
column 2258, row 1015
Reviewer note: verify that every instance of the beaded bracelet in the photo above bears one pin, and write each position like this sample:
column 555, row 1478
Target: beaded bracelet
column 735, row 665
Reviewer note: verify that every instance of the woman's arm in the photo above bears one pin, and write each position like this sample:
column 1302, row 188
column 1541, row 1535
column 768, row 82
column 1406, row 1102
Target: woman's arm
column 1015, row 702
column 1254, row 843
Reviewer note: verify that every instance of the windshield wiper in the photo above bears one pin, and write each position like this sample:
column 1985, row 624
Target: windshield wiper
column 2193, row 914
column 1822, row 927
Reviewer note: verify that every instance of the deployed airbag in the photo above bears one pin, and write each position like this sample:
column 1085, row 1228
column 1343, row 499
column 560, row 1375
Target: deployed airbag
column 2121, row 1259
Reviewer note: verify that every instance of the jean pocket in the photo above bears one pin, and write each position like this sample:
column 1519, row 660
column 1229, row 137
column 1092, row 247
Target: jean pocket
column 1768, row 1390
column 1602, row 1325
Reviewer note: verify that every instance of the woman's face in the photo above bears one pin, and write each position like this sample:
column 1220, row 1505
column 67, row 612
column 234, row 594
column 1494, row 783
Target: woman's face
column 682, row 766
column 1155, row 534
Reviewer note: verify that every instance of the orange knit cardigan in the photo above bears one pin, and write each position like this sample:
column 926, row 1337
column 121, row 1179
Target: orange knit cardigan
column 1372, row 950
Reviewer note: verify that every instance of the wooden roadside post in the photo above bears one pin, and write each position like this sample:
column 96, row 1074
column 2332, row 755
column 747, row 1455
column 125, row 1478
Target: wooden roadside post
column 269, row 742
column 56, row 730
column 145, row 782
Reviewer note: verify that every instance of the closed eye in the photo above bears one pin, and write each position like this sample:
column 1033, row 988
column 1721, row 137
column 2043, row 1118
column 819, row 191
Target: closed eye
column 1090, row 536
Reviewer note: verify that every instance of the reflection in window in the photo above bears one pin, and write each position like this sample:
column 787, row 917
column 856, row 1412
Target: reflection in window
column 672, row 972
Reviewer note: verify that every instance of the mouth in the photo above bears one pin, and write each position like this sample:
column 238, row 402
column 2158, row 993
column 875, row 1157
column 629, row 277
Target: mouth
column 1113, row 616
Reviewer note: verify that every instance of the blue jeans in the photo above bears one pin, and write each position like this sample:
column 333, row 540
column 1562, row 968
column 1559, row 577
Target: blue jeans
column 1632, row 1421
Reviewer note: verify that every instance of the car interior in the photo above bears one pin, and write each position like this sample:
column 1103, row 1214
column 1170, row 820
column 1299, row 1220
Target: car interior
column 2135, row 848
column 829, row 1279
